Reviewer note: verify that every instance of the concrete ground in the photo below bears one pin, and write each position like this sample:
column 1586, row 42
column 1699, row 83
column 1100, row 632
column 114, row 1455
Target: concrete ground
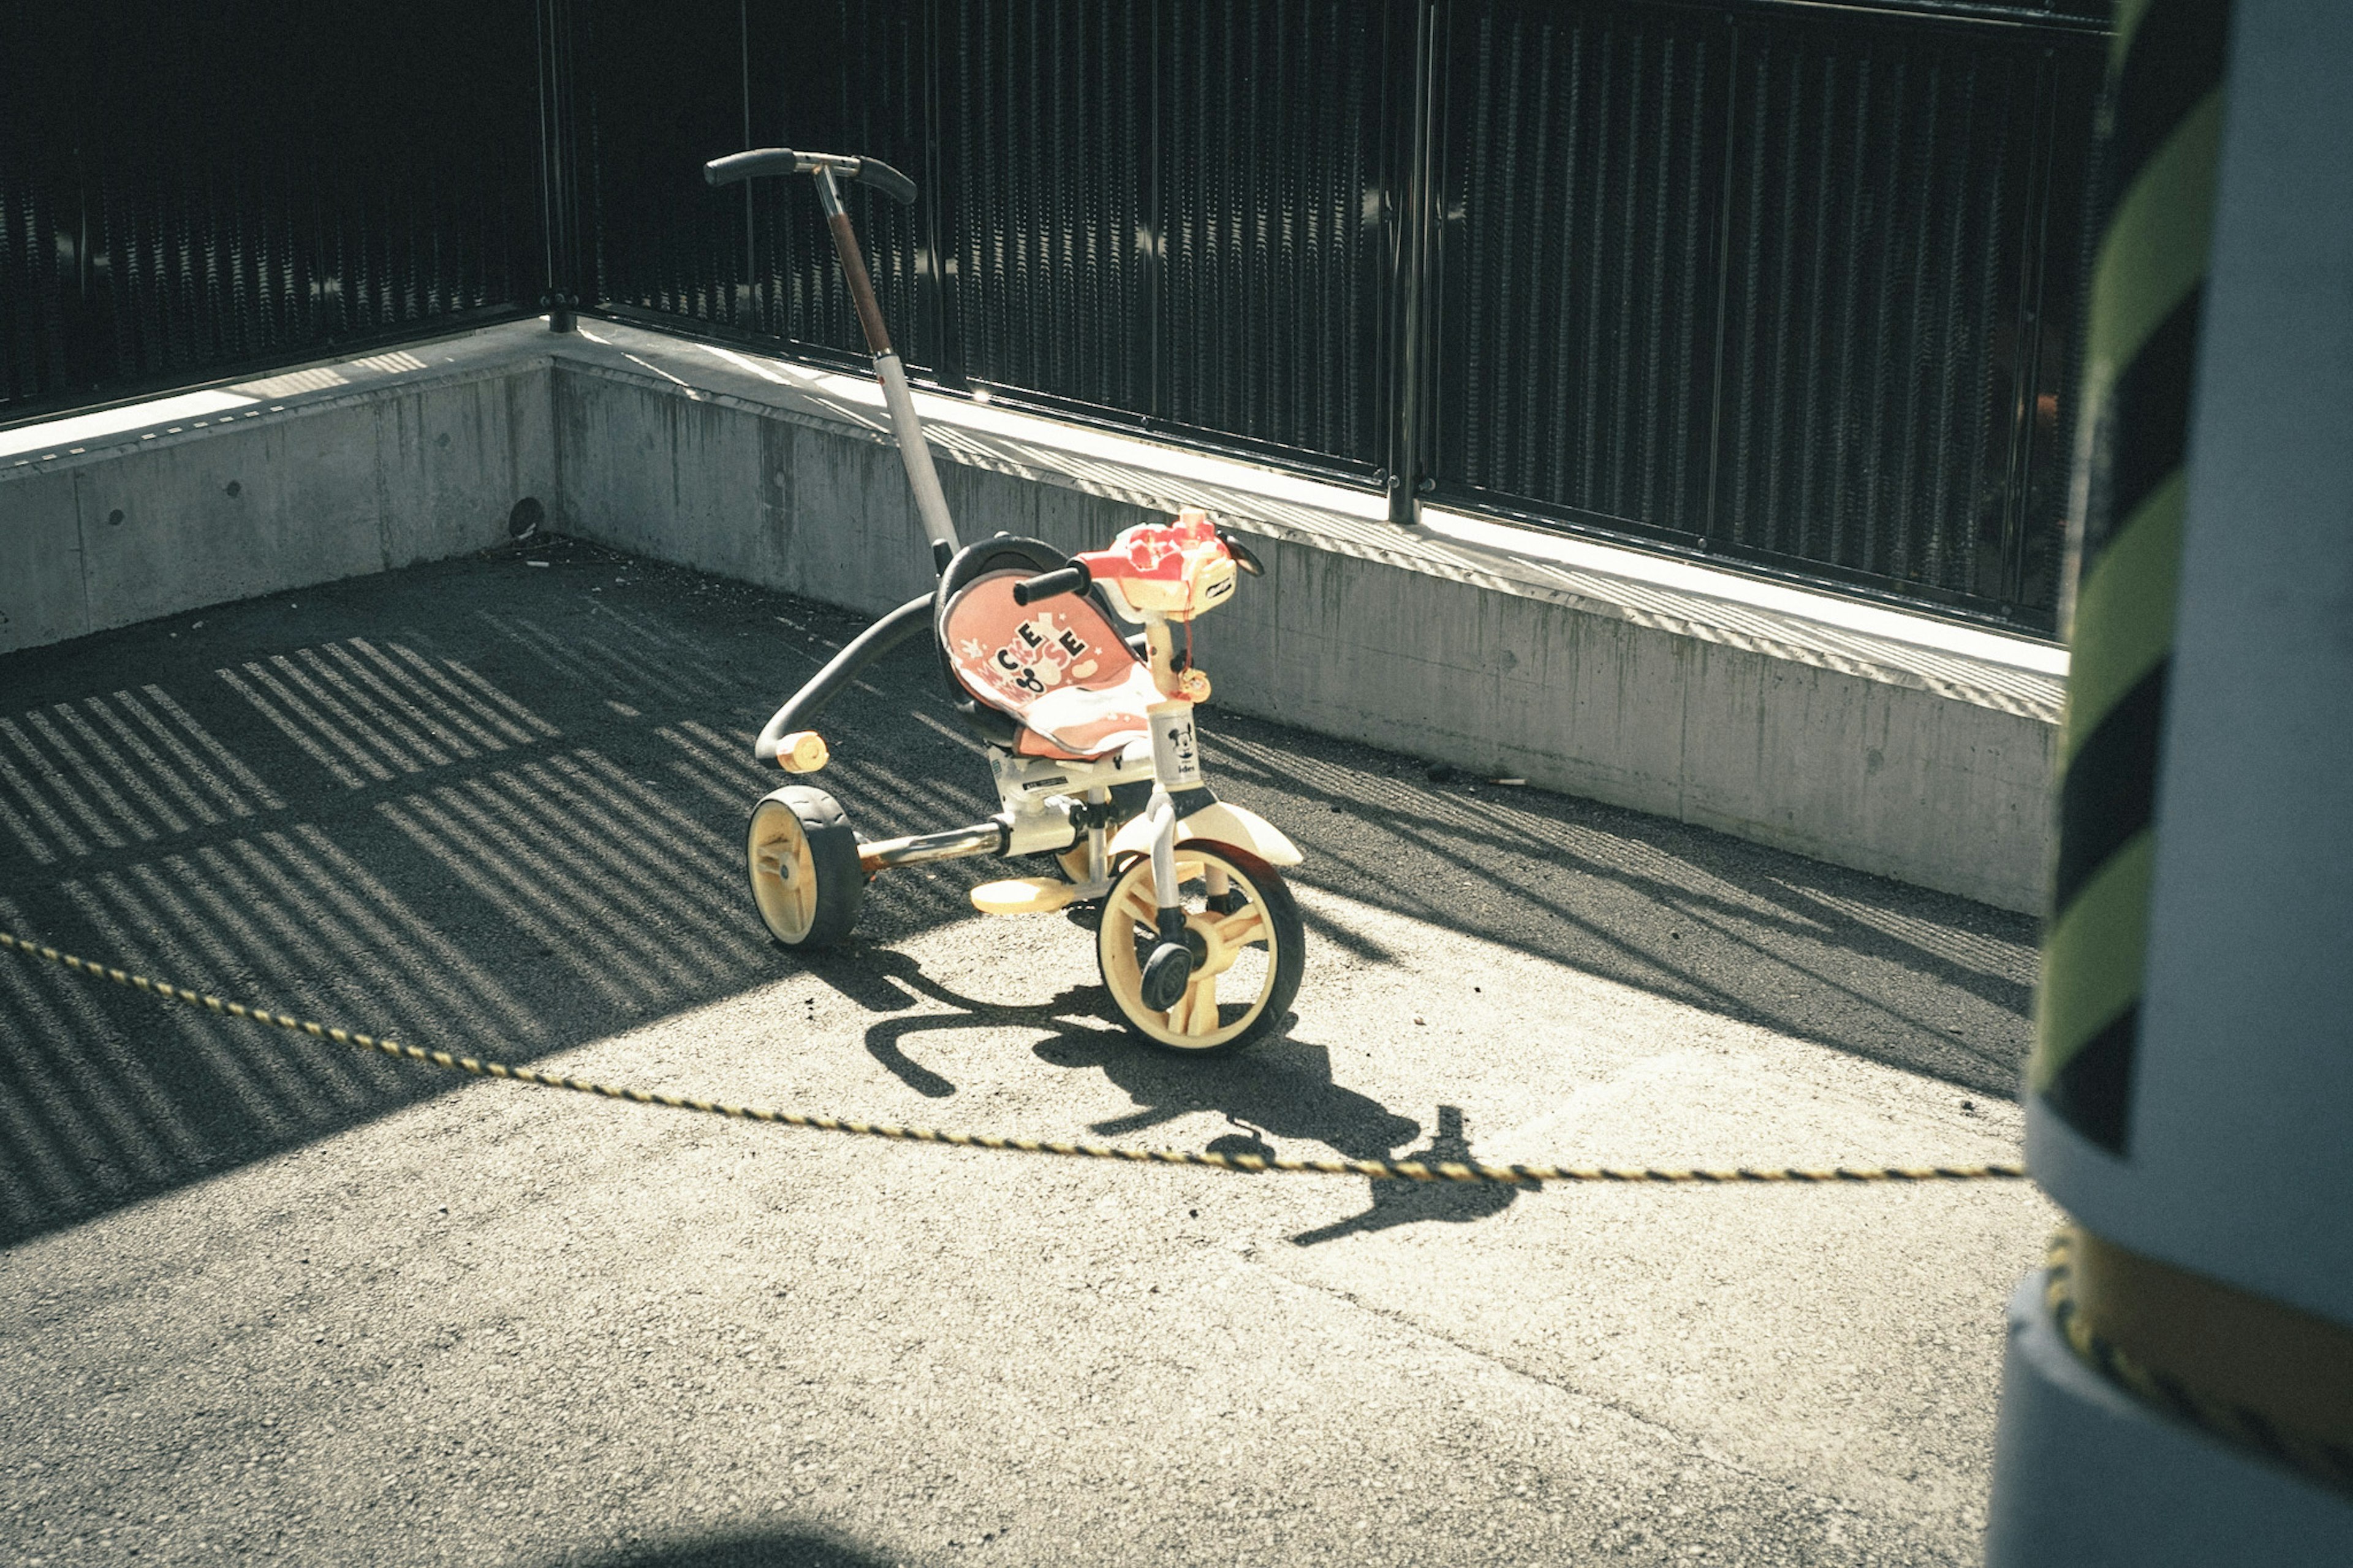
column 264, row 1299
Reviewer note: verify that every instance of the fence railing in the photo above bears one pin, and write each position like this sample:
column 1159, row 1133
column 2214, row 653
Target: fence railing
column 1790, row 285
column 1161, row 213
column 188, row 190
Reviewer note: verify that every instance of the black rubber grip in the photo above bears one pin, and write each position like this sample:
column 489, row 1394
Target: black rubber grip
column 749, row 165
column 1241, row 554
column 910, row 619
column 874, row 172
column 1070, row 579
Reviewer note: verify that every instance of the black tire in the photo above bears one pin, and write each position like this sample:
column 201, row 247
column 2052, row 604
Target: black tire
column 801, row 859
column 1127, row 936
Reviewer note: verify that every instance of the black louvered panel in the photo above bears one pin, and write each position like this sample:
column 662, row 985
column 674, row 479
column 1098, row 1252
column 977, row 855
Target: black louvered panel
column 1273, row 124
column 1045, row 154
column 840, row 78
column 662, row 100
column 2057, row 278
column 39, row 215
column 1789, row 282
column 1879, row 236
column 1795, row 285
column 1583, row 185
column 179, row 214
column 710, row 76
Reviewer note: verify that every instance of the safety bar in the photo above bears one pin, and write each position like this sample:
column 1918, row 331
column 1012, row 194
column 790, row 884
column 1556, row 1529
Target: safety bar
column 762, row 160
column 826, row 685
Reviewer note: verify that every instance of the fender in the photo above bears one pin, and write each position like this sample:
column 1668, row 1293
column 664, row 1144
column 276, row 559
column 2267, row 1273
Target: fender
column 1219, row 824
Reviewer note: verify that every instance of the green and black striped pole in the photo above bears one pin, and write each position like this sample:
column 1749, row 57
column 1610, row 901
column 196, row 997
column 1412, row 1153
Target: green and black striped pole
column 2178, row 1387
column 2164, row 123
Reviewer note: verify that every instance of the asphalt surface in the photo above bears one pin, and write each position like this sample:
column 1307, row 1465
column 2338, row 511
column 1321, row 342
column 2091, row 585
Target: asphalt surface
column 261, row 1299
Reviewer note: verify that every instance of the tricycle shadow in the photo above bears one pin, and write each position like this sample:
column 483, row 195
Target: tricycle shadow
column 1281, row 1087
column 1285, row 1088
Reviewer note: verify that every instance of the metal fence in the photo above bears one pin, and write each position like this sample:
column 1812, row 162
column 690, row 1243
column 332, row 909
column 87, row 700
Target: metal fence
column 1793, row 287
column 186, row 191
column 1785, row 283
column 1160, row 214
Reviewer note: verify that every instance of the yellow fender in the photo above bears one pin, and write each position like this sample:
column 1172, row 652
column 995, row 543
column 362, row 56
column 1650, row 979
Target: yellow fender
column 1219, row 824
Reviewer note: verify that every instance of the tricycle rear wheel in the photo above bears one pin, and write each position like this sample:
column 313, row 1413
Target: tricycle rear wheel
column 802, row 858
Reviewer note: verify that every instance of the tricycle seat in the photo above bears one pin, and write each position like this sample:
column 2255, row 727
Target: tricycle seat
column 1059, row 668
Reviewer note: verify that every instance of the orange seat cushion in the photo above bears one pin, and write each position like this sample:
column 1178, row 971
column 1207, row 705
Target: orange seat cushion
column 1058, row 666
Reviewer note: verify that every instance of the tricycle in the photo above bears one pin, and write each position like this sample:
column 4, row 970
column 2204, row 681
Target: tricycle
column 1088, row 729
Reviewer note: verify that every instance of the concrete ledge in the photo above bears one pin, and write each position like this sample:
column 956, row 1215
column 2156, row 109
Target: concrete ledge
column 1895, row 744
column 2084, row 1474
column 268, row 484
column 1804, row 723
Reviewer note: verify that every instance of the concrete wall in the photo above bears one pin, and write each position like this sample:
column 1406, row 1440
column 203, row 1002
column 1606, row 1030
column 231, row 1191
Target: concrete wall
column 1843, row 767
column 1360, row 630
column 810, row 507
column 1858, row 769
column 411, row 471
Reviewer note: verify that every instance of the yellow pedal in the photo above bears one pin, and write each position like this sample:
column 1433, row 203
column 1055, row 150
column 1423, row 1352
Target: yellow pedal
column 1022, row 896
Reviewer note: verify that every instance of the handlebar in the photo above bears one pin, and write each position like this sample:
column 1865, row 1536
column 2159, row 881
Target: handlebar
column 1241, row 554
column 765, row 160
column 1072, row 579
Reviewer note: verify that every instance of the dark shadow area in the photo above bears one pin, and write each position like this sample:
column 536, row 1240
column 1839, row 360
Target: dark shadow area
column 1280, row 1087
column 745, row 1549
column 1411, row 1203
column 481, row 806
column 496, row 808
column 1914, row 979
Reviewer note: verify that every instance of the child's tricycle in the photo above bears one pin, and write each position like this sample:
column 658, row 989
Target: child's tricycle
column 1089, row 735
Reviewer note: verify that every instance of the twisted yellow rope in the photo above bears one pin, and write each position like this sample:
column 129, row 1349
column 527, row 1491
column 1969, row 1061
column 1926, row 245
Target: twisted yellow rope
column 1379, row 1169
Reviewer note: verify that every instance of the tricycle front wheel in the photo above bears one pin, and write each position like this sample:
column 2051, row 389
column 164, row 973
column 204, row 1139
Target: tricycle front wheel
column 1249, row 949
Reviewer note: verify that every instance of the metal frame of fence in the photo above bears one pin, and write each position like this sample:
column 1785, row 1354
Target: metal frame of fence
column 1783, row 284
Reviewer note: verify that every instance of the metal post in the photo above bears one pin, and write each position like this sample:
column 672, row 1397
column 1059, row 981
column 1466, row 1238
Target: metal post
column 559, row 223
column 915, row 452
column 1413, row 244
column 2178, row 1388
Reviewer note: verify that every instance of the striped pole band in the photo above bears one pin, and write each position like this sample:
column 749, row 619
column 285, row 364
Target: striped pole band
column 2249, row 1370
column 2165, row 108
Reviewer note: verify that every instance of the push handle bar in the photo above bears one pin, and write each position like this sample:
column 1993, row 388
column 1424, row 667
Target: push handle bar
column 762, row 161
column 801, row 712
column 1072, row 579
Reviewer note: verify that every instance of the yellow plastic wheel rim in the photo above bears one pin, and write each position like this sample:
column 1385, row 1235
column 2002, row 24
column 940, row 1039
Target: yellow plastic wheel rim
column 1199, row 1021
column 784, row 872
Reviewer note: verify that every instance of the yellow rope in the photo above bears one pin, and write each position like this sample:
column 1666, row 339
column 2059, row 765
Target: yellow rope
column 1379, row 1169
